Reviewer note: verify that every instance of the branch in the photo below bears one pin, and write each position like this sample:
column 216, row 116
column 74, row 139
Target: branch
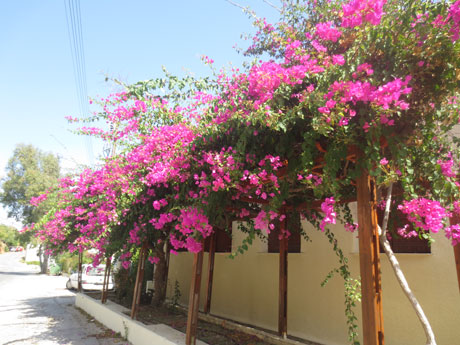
column 245, row 9
column 386, row 215
column 430, row 339
column 272, row 5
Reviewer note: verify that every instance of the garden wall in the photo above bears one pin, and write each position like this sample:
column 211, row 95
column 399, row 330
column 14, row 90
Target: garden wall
column 114, row 317
column 246, row 289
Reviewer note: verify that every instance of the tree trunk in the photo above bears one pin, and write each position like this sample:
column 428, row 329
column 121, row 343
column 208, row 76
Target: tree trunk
column 430, row 339
column 159, row 277
column 43, row 260
column 45, row 263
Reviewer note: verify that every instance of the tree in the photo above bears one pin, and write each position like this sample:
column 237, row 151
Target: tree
column 9, row 235
column 30, row 173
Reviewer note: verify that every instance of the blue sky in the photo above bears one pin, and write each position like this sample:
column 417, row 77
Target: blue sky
column 128, row 40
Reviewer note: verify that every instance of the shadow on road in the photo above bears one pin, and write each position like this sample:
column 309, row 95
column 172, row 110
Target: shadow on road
column 49, row 319
column 55, row 320
column 19, row 273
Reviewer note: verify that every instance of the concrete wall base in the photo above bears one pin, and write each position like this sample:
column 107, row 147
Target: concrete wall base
column 111, row 315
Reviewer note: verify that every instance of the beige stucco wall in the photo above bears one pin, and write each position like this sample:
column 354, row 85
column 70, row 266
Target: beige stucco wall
column 246, row 290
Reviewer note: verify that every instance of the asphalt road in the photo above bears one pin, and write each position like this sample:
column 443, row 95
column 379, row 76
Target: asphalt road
column 37, row 309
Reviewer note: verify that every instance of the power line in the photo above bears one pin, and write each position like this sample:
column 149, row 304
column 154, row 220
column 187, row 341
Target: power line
column 74, row 30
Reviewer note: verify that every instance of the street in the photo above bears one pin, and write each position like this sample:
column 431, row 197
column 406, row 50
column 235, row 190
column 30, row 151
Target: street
column 38, row 309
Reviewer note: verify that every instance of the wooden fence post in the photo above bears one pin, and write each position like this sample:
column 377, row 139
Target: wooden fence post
column 167, row 259
column 80, row 264
column 105, row 285
column 283, row 276
column 194, row 298
column 457, row 262
column 211, row 256
column 139, row 279
column 455, row 219
column 369, row 258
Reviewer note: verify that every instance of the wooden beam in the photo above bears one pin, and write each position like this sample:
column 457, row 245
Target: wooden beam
column 211, row 256
column 455, row 219
column 194, row 298
column 315, row 204
column 369, row 258
column 283, row 266
column 80, row 268
column 139, row 279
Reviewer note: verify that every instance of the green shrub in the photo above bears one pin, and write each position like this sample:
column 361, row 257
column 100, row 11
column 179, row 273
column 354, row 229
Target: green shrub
column 69, row 261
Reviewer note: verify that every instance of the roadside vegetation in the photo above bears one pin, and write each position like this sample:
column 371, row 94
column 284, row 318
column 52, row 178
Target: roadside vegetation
column 335, row 96
column 30, row 172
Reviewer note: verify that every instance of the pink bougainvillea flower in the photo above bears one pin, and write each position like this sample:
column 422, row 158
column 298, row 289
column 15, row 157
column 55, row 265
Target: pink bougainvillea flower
column 153, row 259
column 351, row 227
column 327, row 31
column 327, row 206
column 338, row 60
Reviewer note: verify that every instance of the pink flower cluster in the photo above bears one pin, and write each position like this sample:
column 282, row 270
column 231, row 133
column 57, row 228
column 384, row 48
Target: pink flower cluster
column 262, row 182
column 326, row 31
column 261, row 222
column 265, row 79
column 327, row 206
column 425, row 214
column 447, row 166
column 221, row 165
column 164, row 219
column 452, row 21
column 124, row 258
column 265, row 222
column 351, row 227
column 191, row 221
column 35, row 201
column 356, row 12
column 387, row 96
column 454, row 16
column 453, row 233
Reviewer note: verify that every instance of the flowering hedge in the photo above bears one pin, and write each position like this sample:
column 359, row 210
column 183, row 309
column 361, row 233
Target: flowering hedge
column 337, row 87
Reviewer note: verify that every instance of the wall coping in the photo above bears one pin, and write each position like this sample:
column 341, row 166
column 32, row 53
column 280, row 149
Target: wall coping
column 112, row 316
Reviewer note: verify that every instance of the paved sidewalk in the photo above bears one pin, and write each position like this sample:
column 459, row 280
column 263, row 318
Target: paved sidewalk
column 38, row 310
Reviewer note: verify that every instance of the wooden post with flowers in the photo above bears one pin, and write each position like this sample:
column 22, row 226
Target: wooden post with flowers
column 283, row 265
column 194, row 298
column 139, row 279
column 369, row 258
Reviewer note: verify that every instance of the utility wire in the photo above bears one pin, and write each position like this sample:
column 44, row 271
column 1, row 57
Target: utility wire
column 75, row 35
